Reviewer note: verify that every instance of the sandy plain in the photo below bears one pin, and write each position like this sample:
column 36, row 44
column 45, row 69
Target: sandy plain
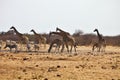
column 83, row 65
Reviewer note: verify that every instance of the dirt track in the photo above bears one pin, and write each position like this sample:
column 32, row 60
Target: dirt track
column 84, row 65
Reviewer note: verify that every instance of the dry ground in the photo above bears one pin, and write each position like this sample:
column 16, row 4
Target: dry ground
column 83, row 65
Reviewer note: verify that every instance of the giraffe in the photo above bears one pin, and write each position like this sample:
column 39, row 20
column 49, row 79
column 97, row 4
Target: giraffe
column 22, row 38
column 40, row 38
column 67, row 34
column 58, row 43
column 101, row 42
column 58, row 29
column 67, row 39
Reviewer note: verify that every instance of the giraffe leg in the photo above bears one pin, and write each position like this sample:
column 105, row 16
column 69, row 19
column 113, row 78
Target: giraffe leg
column 40, row 44
column 93, row 48
column 55, row 49
column 62, row 48
column 20, row 46
column 10, row 49
column 58, row 48
column 99, row 48
column 67, row 47
column 44, row 44
column 71, row 48
column 51, row 45
column 75, row 48
column 16, row 49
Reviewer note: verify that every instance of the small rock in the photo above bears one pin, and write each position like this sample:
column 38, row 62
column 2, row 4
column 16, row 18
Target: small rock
column 30, row 54
column 19, row 77
column 58, row 66
column 46, row 79
column 114, row 67
column 64, row 66
column 58, row 75
column 76, row 66
column 103, row 67
column 24, row 70
column 47, row 57
column 25, row 58
column 37, row 65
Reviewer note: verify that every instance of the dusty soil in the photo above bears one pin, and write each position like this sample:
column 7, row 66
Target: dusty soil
column 83, row 65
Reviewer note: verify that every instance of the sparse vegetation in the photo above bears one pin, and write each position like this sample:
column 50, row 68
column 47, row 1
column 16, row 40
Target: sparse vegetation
column 80, row 37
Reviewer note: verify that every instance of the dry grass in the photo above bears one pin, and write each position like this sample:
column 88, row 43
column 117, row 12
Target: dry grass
column 84, row 65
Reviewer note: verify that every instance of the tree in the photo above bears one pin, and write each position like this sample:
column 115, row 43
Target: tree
column 77, row 33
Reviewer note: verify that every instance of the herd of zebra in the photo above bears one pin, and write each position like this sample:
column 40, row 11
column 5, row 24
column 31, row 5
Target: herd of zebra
column 66, row 40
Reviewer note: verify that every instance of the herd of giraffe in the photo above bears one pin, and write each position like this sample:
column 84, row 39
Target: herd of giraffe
column 66, row 41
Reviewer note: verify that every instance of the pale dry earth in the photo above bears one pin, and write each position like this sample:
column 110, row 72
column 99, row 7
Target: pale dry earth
column 83, row 65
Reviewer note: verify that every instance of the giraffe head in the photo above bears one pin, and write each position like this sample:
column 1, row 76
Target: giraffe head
column 95, row 30
column 12, row 27
column 32, row 30
column 57, row 29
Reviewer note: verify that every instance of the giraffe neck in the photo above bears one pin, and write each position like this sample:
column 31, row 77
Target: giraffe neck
column 19, row 34
column 35, row 32
column 60, row 30
column 37, row 35
column 99, row 36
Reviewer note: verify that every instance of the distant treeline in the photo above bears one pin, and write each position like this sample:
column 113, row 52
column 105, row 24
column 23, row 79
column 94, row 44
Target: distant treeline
column 81, row 39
